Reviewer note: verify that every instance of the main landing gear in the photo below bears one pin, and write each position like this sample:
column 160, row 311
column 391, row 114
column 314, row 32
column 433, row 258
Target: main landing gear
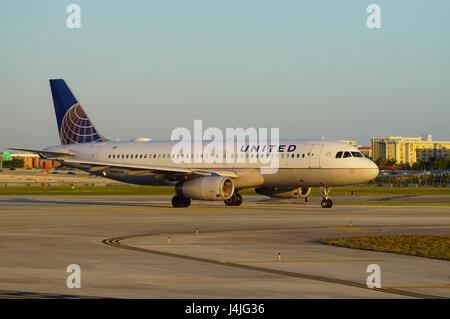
column 235, row 200
column 326, row 202
column 181, row 201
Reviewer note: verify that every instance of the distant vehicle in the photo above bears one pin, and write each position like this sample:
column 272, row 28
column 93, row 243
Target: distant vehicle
column 12, row 168
column 302, row 164
column 70, row 173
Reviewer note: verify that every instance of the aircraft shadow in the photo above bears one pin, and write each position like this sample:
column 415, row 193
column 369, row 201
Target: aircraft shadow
column 83, row 203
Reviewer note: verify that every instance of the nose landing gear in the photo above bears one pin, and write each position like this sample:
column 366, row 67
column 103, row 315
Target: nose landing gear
column 326, row 202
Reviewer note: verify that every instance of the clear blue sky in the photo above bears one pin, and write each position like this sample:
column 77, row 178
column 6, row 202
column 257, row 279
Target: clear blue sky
column 142, row 68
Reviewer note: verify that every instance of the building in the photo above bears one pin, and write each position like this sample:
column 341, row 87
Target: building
column 32, row 160
column 29, row 160
column 409, row 150
column 366, row 150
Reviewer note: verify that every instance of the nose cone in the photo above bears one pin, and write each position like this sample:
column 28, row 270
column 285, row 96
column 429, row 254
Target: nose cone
column 372, row 171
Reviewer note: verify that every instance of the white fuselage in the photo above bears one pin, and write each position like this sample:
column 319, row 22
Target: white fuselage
column 301, row 163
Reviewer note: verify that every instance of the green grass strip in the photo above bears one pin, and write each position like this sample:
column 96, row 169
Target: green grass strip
column 436, row 247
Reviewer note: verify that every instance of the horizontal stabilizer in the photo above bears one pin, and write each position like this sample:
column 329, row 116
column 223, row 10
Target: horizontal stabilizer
column 45, row 153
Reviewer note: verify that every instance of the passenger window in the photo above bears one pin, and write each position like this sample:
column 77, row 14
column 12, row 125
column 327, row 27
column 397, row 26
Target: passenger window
column 357, row 154
column 347, row 154
column 339, row 154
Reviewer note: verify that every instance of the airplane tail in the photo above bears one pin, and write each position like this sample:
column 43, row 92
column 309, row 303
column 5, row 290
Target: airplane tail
column 74, row 126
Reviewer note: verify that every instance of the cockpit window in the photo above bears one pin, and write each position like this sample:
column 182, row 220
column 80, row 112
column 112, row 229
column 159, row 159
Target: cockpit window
column 357, row 154
column 347, row 154
column 339, row 154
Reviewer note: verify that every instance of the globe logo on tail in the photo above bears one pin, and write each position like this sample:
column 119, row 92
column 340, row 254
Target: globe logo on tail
column 77, row 128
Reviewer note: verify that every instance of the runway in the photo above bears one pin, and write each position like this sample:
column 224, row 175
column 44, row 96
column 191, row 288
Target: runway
column 141, row 247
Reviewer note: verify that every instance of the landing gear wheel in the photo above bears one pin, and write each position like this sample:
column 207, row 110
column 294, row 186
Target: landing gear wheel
column 186, row 202
column 238, row 199
column 234, row 200
column 326, row 202
column 180, row 201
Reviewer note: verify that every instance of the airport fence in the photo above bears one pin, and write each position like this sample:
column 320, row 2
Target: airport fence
column 422, row 180
column 59, row 184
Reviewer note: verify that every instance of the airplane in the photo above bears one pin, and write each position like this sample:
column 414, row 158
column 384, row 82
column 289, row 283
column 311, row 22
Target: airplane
column 303, row 164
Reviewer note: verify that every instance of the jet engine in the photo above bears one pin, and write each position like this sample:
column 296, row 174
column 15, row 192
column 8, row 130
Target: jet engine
column 207, row 188
column 284, row 192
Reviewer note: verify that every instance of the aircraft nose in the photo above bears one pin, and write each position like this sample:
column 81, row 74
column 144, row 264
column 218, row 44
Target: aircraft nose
column 373, row 170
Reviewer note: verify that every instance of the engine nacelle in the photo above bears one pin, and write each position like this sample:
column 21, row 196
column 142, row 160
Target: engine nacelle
column 207, row 188
column 284, row 192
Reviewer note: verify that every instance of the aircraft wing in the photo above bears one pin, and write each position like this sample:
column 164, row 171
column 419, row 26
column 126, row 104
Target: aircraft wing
column 45, row 153
column 99, row 166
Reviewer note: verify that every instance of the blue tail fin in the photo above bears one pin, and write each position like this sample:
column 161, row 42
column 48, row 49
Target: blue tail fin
column 74, row 126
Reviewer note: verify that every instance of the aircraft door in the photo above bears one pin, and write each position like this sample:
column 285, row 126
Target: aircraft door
column 314, row 155
column 94, row 151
